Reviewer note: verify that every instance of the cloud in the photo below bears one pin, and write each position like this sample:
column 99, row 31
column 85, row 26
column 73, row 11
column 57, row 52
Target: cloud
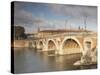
column 77, row 14
column 23, row 16
column 74, row 10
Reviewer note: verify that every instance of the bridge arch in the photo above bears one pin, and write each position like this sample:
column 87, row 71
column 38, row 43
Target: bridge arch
column 40, row 45
column 88, row 43
column 71, row 45
column 51, row 44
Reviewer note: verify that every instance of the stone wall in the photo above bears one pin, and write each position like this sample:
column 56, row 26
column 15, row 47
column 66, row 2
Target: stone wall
column 21, row 43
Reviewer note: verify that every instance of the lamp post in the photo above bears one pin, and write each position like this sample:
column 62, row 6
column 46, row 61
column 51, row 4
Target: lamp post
column 85, row 22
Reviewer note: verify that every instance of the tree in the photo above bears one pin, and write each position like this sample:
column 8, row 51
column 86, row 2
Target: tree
column 19, row 32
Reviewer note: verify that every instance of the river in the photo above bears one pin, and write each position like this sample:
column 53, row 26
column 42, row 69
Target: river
column 29, row 61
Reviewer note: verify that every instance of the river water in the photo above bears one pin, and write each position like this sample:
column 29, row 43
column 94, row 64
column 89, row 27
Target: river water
column 29, row 61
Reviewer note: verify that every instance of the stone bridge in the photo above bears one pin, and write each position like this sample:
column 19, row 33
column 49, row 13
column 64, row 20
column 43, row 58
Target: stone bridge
column 66, row 43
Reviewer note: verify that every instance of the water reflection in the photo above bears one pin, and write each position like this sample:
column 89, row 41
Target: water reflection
column 28, row 60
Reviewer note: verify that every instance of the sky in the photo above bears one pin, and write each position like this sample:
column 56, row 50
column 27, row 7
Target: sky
column 54, row 16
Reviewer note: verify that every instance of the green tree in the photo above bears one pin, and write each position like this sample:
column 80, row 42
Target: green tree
column 19, row 32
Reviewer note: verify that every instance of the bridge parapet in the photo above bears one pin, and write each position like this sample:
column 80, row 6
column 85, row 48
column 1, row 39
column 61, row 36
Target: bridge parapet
column 67, row 34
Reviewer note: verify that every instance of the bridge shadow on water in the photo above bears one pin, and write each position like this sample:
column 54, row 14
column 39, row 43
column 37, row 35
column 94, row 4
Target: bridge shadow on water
column 28, row 60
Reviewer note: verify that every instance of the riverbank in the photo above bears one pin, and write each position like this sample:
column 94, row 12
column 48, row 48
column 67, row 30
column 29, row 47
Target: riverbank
column 20, row 43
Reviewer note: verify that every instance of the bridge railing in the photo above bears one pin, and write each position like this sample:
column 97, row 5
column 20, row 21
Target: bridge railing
column 67, row 34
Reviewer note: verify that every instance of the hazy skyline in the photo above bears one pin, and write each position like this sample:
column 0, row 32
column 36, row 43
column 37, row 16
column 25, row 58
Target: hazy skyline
column 53, row 16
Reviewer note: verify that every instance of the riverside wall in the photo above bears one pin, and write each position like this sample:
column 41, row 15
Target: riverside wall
column 20, row 43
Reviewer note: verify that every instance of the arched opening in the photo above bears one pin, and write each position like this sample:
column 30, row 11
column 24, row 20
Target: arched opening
column 51, row 47
column 34, row 45
column 30, row 45
column 40, row 45
column 88, row 44
column 71, row 46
